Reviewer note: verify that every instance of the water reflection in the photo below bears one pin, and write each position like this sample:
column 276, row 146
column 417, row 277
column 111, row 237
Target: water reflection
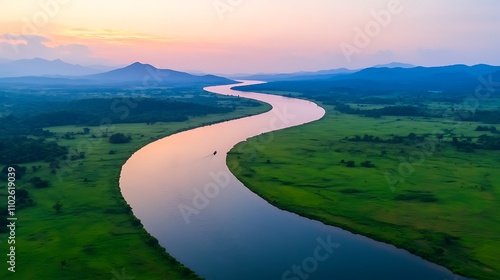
column 186, row 197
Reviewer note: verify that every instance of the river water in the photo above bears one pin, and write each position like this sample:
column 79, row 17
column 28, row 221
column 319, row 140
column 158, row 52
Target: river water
column 186, row 197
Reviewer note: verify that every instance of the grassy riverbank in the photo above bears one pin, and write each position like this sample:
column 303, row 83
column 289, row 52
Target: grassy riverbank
column 95, row 235
column 445, row 207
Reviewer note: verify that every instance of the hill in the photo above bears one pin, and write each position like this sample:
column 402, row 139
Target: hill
column 456, row 79
column 136, row 74
column 43, row 67
column 323, row 74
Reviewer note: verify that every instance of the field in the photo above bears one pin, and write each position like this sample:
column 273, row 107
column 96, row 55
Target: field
column 94, row 235
column 425, row 197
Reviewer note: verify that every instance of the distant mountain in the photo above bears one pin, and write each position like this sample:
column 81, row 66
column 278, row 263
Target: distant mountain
column 441, row 78
column 323, row 74
column 422, row 72
column 101, row 68
column 136, row 74
column 394, row 65
column 45, row 81
column 43, row 67
column 448, row 79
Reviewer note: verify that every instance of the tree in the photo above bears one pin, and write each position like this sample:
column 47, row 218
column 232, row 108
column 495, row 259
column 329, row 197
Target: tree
column 23, row 198
column 57, row 207
column 86, row 130
column 368, row 164
column 439, row 137
column 19, row 170
column 54, row 164
column 350, row 163
column 69, row 135
column 119, row 138
column 39, row 183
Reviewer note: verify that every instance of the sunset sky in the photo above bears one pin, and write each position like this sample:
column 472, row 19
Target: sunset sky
column 249, row 36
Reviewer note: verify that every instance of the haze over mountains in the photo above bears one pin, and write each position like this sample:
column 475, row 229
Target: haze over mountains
column 394, row 65
column 297, row 75
column 323, row 74
column 43, row 67
column 38, row 67
column 57, row 72
column 441, row 72
column 146, row 73
column 452, row 79
column 389, row 76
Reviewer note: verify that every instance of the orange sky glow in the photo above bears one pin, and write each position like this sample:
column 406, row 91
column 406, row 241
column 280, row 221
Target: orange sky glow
column 242, row 36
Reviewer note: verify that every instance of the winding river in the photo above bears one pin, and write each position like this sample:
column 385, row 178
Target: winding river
column 186, row 197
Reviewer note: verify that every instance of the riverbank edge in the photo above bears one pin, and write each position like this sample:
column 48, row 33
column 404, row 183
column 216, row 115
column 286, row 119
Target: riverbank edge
column 126, row 207
column 250, row 186
column 238, row 165
column 123, row 209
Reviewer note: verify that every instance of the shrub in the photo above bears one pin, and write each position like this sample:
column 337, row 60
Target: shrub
column 368, row 164
column 350, row 163
column 119, row 138
column 57, row 207
column 39, row 183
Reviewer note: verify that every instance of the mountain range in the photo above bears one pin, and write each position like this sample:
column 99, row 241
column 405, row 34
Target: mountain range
column 43, row 67
column 323, row 74
column 136, row 74
column 394, row 75
column 148, row 74
column 447, row 79
column 442, row 78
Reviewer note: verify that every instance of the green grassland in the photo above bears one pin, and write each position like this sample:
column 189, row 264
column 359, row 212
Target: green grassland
column 95, row 235
column 429, row 199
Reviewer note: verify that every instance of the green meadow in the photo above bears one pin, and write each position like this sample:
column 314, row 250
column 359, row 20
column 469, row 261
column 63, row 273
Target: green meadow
column 94, row 235
column 429, row 199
